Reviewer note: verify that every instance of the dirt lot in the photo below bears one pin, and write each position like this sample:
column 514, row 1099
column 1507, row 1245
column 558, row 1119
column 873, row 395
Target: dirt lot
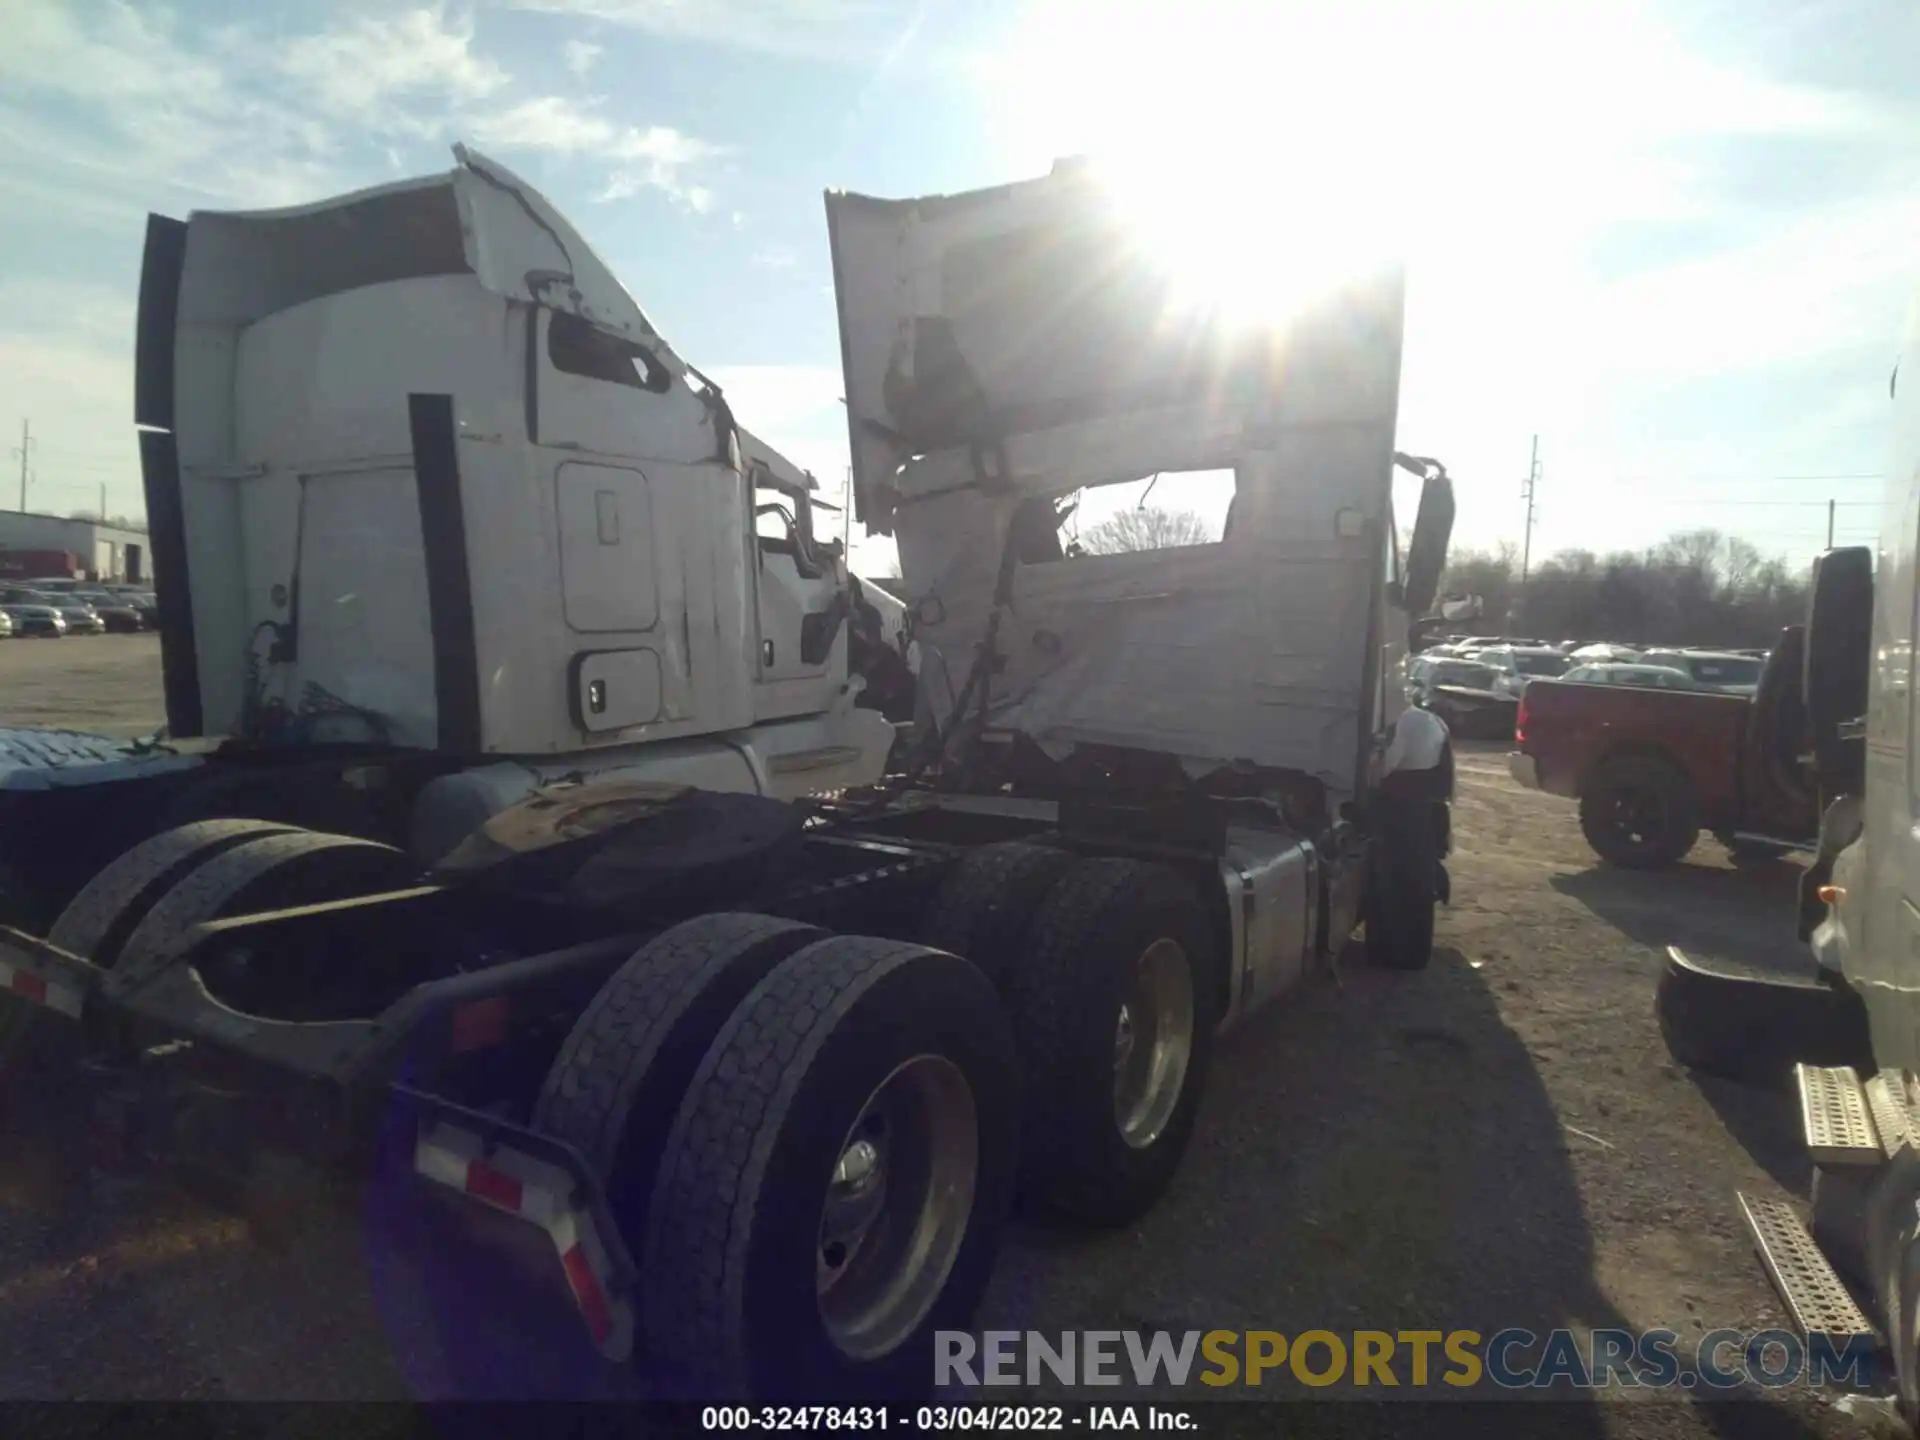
column 109, row 684
column 1499, row 1141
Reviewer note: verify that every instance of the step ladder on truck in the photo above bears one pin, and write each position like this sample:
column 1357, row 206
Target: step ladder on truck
column 521, row 846
column 1846, row 1034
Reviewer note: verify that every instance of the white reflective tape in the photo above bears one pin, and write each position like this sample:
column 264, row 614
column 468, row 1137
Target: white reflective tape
column 40, row 991
column 440, row 1164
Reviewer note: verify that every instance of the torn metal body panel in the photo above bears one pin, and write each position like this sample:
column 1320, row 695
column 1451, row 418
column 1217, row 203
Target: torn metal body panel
column 427, row 478
column 1011, row 346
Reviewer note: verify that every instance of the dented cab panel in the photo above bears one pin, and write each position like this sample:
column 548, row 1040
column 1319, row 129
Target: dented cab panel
column 1013, row 344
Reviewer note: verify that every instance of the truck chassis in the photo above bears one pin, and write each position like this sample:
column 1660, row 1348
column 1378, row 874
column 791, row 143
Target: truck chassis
column 276, row 1019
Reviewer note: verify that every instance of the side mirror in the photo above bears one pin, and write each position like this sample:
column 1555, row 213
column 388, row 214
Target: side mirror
column 1432, row 529
column 1839, row 656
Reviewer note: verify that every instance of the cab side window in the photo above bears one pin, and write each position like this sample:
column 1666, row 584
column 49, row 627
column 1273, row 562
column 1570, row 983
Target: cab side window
column 577, row 348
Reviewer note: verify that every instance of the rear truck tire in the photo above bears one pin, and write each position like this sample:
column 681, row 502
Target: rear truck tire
column 1114, row 1005
column 834, row 1186
column 985, row 904
column 99, row 918
column 623, row 1070
column 37, row 1054
column 270, row 872
column 1753, row 1028
column 1639, row 812
column 1403, row 882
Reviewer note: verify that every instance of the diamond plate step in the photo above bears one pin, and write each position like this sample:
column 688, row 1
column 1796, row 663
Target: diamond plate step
column 1835, row 1118
column 1892, row 1118
column 1814, row 1297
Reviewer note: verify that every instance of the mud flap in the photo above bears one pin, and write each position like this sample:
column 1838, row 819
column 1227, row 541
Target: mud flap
column 492, row 1246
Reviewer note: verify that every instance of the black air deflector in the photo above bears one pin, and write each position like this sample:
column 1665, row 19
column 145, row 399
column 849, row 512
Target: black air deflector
column 443, row 536
column 156, row 324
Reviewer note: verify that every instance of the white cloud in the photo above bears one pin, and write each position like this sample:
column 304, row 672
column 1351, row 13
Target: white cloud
column 841, row 30
column 580, row 55
column 775, row 257
column 651, row 157
column 371, row 66
column 233, row 115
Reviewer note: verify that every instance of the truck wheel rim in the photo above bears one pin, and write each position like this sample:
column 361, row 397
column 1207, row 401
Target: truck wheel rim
column 1153, row 1043
column 897, row 1207
column 1639, row 815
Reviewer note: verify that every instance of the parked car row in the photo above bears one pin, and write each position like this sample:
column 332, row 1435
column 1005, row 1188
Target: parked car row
column 1735, row 672
column 48, row 609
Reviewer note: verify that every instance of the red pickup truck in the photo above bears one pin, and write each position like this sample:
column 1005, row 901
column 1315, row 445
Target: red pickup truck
column 1653, row 768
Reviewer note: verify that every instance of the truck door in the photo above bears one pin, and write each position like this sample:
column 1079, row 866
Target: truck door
column 800, row 591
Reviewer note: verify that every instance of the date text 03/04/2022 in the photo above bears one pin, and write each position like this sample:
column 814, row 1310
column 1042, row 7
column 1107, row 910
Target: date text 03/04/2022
column 933, row 1418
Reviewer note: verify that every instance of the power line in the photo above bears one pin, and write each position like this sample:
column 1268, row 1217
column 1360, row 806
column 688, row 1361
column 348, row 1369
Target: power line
column 1533, row 478
column 25, row 452
column 1748, row 479
column 1683, row 507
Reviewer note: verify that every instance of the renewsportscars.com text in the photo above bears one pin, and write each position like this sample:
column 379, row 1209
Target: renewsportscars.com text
column 1376, row 1360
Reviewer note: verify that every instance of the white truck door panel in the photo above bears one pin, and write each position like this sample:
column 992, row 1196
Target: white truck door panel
column 786, row 598
column 361, row 589
column 606, row 548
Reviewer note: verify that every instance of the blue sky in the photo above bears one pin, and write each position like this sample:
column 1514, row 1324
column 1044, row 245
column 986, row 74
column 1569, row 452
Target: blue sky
column 1676, row 239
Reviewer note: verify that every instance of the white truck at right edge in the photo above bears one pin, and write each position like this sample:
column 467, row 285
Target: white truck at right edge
column 1849, row 1031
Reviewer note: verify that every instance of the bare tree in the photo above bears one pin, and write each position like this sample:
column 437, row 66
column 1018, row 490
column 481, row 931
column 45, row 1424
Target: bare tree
column 1147, row 529
column 136, row 523
column 1741, row 563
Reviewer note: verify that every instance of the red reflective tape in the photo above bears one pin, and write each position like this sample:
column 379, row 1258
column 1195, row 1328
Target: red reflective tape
column 496, row 1187
column 31, row 987
column 478, row 1024
column 587, row 1292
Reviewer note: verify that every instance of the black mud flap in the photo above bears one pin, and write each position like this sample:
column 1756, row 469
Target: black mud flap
column 1754, row 1027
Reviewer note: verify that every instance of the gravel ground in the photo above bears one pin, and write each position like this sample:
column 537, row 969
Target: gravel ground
column 1498, row 1141
column 109, row 684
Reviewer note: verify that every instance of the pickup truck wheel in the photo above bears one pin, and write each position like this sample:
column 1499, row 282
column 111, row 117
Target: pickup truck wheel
column 621, row 1074
column 1403, row 887
column 1753, row 1028
column 1114, row 1008
column 984, row 905
column 833, row 1188
column 1639, row 813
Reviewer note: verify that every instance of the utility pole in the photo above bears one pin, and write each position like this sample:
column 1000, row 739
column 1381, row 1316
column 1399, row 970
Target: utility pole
column 1830, row 509
column 25, row 450
column 1533, row 477
column 103, row 502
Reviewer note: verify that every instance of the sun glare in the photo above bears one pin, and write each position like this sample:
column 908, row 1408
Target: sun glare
column 1262, row 151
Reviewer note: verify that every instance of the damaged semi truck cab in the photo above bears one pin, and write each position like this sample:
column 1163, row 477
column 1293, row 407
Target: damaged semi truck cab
column 744, row 1083
column 1010, row 348
column 426, row 477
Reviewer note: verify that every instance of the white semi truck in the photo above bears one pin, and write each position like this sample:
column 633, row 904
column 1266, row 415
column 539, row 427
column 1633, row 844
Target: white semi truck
column 521, row 841
column 1846, row 1034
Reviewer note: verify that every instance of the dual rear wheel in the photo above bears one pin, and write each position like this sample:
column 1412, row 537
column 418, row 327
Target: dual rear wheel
column 809, row 1141
column 812, row 1142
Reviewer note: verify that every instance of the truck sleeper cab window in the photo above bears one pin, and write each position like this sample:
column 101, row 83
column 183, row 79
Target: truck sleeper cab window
column 1171, row 510
column 575, row 347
